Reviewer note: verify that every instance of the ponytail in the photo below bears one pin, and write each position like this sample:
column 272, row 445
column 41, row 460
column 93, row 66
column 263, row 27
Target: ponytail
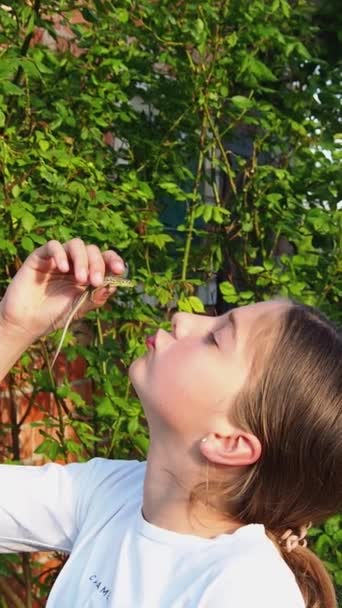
column 311, row 575
column 312, row 578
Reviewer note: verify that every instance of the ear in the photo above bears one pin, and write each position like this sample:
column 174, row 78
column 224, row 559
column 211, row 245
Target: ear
column 237, row 449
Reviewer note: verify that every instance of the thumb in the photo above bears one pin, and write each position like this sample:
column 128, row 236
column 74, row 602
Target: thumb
column 101, row 295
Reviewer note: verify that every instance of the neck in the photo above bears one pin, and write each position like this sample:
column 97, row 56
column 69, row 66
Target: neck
column 166, row 502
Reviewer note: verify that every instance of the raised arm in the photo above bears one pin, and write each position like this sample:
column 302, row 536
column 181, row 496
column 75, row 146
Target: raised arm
column 41, row 295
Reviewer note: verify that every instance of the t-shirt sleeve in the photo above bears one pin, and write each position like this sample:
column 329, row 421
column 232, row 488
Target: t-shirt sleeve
column 41, row 507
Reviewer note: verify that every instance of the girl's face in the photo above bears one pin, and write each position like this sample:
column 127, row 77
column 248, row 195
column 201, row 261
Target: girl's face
column 188, row 379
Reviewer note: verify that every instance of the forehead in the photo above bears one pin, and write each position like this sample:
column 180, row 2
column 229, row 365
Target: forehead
column 257, row 316
column 256, row 327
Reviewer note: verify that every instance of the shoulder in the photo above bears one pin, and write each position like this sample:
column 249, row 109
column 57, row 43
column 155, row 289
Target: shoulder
column 101, row 472
column 253, row 573
column 104, row 469
column 101, row 484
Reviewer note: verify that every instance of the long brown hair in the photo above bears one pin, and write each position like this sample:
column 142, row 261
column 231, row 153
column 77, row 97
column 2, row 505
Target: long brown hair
column 294, row 407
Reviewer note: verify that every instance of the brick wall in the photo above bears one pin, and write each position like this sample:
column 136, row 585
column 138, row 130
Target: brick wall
column 16, row 405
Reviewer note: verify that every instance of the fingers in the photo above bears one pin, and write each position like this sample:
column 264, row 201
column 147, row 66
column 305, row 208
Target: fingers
column 114, row 263
column 96, row 265
column 53, row 250
column 78, row 255
column 88, row 264
column 101, row 295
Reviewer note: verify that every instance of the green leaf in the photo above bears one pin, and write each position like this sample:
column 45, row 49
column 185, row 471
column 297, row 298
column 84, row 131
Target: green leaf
column 173, row 189
column 50, row 448
column 255, row 269
column 268, row 264
column 16, row 190
column 297, row 288
column 320, row 220
column 159, row 240
column 142, row 443
column 286, row 8
column 285, row 277
column 73, row 447
column 196, row 304
column 227, row 288
column 338, row 578
column 106, row 408
column 323, row 544
column 241, row 102
column 30, row 68
column 28, row 220
column 247, row 226
column 208, row 212
column 260, row 70
column 313, row 532
column 232, row 39
column 133, row 426
column 27, row 244
column 228, row 292
column 199, row 25
column 44, row 145
column 246, row 295
column 8, row 67
column 219, row 214
column 122, row 15
column 274, row 198
column 333, row 525
column 89, row 15
column 184, row 305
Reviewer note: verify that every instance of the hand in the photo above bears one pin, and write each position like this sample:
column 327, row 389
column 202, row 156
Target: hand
column 40, row 296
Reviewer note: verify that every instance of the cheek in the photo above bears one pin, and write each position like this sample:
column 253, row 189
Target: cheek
column 178, row 384
column 183, row 386
column 177, row 374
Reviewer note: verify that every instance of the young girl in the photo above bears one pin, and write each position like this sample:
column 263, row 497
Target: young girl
column 245, row 419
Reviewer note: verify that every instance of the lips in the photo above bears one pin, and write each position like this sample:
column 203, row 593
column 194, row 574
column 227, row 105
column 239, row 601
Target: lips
column 151, row 342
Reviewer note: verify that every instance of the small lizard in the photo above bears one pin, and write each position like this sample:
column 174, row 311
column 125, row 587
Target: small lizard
column 109, row 281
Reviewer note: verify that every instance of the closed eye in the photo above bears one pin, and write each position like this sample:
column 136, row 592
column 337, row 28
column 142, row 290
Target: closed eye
column 211, row 339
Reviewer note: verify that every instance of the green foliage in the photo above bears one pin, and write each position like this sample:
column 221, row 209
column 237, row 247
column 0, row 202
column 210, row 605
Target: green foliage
column 195, row 138
column 327, row 543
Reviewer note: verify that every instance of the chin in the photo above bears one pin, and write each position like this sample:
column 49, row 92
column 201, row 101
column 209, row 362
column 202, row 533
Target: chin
column 136, row 374
column 132, row 370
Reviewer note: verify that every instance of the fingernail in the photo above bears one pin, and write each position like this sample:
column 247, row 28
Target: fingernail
column 98, row 278
column 119, row 266
column 64, row 266
column 82, row 274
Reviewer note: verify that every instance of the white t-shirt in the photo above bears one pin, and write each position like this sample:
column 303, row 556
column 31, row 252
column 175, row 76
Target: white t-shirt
column 117, row 559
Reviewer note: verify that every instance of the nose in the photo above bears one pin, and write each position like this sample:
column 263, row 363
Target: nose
column 177, row 323
column 185, row 323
